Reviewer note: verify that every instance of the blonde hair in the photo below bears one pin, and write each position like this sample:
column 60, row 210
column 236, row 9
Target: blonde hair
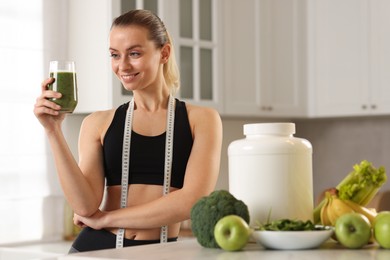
column 159, row 35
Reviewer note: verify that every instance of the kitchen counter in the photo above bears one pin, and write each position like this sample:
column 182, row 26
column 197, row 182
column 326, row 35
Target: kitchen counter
column 190, row 249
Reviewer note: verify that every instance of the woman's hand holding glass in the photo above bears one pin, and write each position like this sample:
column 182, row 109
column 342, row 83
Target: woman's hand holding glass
column 48, row 112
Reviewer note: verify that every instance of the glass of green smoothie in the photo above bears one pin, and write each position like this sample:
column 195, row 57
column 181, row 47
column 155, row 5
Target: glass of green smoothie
column 65, row 82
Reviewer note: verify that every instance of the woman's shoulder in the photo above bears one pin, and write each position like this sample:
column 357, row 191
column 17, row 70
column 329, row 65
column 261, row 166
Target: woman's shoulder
column 104, row 115
column 202, row 115
column 196, row 110
column 98, row 120
column 101, row 115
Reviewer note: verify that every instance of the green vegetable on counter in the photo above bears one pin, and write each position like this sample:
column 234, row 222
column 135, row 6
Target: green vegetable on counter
column 360, row 186
column 208, row 210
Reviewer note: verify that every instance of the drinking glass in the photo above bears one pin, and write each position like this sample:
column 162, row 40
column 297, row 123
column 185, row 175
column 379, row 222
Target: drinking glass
column 65, row 82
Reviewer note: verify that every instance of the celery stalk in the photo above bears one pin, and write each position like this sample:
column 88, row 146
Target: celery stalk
column 362, row 184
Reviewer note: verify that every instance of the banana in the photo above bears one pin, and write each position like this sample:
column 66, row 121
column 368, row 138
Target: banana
column 337, row 208
column 322, row 202
column 324, row 214
column 370, row 214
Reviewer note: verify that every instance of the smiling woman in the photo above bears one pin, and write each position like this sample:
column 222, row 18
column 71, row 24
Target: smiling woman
column 142, row 164
column 25, row 189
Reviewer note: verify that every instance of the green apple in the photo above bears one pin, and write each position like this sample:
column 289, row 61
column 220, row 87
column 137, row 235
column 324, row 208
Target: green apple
column 381, row 228
column 232, row 233
column 353, row 230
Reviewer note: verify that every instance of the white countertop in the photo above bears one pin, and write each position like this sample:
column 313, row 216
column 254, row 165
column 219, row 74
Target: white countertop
column 190, row 249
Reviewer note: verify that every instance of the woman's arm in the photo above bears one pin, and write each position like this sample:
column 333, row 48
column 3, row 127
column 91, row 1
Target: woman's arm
column 83, row 184
column 200, row 179
column 76, row 182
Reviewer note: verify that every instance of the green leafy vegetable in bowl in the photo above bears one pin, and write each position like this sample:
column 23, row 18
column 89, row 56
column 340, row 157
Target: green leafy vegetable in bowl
column 285, row 234
column 290, row 225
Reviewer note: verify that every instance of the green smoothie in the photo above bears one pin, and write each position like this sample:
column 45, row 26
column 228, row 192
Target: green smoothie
column 66, row 84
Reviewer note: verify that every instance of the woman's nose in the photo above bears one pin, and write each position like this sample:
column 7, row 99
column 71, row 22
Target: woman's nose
column 124, row 64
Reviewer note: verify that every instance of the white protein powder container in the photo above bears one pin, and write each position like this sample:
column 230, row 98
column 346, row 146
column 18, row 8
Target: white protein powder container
column 271, row 172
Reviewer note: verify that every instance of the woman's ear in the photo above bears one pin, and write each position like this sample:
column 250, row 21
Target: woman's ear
column 165, row 53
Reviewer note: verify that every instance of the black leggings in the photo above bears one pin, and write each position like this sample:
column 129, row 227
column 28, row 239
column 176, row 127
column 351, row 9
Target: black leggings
column 90, row 239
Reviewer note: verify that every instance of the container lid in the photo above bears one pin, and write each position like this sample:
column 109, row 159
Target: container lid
column 269, row 128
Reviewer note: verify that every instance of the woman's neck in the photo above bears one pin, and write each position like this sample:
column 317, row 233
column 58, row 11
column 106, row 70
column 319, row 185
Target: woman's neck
column 151, row 101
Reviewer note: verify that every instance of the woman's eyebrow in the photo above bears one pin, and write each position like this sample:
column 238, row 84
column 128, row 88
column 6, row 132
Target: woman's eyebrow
column 130, row 48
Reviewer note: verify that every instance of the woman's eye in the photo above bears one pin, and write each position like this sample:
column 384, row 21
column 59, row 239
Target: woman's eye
column 135, row 54
column 114, row 55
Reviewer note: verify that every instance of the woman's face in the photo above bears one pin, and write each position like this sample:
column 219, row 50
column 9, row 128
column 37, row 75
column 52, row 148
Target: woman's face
column 134, row 58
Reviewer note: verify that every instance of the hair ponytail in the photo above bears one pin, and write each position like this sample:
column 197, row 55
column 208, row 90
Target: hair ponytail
column 171, row 70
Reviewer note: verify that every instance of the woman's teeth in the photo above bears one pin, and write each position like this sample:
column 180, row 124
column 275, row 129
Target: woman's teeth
column 129, row 77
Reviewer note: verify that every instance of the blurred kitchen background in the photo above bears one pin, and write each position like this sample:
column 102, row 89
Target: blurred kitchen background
column 322, row 64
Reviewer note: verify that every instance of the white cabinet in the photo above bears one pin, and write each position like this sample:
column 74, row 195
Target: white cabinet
column 241, row 66
column 267, row 58
column 281, row 48
column 380, row 57
column 338, row 56
column 314, row 58
column 349, row 57
column 263, row 67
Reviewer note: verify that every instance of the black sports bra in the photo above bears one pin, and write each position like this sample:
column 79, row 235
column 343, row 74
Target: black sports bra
column 147, row 153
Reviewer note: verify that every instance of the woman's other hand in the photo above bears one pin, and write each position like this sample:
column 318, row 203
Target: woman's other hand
column 95, row 221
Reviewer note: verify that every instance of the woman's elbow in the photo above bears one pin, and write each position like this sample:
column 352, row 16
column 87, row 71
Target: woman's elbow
column 86, row 211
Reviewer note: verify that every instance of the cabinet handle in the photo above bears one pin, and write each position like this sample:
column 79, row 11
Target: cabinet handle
column 364, row 106
column 373, row 106
column 266, row 108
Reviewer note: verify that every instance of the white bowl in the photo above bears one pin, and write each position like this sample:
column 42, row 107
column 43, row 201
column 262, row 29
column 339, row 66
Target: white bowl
column 292, row 240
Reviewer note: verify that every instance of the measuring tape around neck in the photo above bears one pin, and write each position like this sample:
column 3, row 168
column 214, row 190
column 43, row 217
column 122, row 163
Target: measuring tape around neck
column 126, row 162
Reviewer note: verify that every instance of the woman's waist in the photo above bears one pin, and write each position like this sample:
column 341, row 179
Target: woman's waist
column 137, row 194
column 147, row 234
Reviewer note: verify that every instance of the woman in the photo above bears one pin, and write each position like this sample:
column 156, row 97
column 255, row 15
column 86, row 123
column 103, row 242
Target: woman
column 142, row 57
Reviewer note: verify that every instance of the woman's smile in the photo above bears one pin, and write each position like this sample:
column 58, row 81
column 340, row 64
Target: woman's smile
column 128, row 78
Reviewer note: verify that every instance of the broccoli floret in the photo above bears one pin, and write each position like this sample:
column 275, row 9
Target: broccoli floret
column 208, row 210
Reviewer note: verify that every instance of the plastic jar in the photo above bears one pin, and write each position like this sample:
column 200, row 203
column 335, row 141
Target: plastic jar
column 271, row 172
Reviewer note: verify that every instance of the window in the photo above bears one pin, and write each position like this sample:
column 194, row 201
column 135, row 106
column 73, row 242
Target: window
column 27, row 184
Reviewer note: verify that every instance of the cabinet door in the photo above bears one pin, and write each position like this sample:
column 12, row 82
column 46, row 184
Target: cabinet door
column 338, row 57
column 380, row 59
column 263, row 58
column 281, row 58
column 240, row 58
